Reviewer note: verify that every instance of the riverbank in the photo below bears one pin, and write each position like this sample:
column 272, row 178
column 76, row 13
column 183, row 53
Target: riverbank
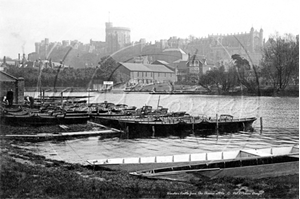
column 24, row 174
column 289, row 92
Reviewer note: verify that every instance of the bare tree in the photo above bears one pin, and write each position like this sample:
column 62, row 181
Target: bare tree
column 281, row 60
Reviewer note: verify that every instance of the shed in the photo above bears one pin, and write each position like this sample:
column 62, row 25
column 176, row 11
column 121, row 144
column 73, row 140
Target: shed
column 8, row 82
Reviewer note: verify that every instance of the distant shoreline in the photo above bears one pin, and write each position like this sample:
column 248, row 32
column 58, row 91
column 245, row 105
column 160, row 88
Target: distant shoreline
column 264, row 92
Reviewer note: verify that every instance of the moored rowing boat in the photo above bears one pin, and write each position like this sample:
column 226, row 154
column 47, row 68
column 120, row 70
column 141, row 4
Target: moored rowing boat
column 186, row 160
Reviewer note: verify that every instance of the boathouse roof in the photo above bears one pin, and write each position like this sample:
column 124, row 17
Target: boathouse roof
column 146, row 67
column 4, row 77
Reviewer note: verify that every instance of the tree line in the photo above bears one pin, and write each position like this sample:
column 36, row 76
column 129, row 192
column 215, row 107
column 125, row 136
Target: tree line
column 278, row 69
column 68, row 77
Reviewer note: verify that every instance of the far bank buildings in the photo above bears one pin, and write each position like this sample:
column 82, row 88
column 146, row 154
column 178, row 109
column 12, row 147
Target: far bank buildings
column 174, row 59
column 194, row 57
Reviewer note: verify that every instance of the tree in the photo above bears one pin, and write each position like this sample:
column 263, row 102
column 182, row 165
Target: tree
column 247, row 75
column 281, row 60
column 213, row 80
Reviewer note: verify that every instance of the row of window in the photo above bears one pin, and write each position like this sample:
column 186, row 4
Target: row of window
column 150, row 74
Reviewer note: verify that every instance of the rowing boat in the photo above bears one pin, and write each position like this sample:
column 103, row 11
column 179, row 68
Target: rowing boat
column 39, row 119
column 185, row 160
column 256, row 164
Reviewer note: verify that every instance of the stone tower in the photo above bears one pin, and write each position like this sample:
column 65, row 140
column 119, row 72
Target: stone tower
column 116, row 37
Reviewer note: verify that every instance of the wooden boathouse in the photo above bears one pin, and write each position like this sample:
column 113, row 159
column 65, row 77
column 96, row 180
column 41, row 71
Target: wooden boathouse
column 9, row 82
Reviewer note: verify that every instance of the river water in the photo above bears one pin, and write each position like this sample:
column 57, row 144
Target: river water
column 280, row 116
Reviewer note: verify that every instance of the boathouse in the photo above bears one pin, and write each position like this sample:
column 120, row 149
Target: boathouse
column 146, row 73
column 9, row 82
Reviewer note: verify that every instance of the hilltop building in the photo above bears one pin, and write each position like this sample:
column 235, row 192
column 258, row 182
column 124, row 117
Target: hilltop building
column 215, row 49
column 116, row 37
column 219, row 48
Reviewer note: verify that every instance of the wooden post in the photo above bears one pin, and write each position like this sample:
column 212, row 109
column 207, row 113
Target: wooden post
column 43, row 96
column 193, row 125
column 217, row 126
column 261, row 125
column 88, row 97
column 61, row 97
column 127, row 131
column 153, row 131
column 158, row 101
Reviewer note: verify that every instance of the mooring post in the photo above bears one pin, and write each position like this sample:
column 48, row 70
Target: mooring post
column 127, row 131
column 43, row 96
column 193, row 125
column 61, row 97
column 153, row 131
column 217, row 126
column 261, row 125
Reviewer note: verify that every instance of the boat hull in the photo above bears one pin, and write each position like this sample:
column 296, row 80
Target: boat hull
column 143, row 128
column 40, row 120
column 136, row 127
column 253, row 167
column 255, row 172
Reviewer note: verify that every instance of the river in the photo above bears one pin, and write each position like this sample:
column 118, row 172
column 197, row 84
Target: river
column 280, row 127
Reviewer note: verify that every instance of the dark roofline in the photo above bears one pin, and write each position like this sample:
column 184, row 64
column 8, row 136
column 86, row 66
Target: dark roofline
column 166, row 65
column 9, row 75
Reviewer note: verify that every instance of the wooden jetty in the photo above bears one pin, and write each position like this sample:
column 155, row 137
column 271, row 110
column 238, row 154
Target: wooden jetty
column 40, row 137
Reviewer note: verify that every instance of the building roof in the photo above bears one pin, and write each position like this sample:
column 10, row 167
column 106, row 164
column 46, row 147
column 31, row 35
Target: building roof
column 174, row 49
column 161, row 62
column 4, row 77
column 146, row 67
column 135, row 66
column 158, row 68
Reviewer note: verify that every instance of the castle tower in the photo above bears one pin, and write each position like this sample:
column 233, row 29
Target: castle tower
column 46, row 47
column 252, row 39
column 116, row 37
column 37, row 48
column 261, row 36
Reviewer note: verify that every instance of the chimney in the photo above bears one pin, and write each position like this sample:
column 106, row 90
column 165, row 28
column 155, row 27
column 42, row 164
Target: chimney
column 4, row 60
column 19, row 57
column 24, row 59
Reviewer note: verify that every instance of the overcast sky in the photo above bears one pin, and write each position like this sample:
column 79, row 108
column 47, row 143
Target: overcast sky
column 24, row 22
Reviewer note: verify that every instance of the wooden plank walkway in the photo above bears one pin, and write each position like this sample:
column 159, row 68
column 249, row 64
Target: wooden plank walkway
column 65, row 135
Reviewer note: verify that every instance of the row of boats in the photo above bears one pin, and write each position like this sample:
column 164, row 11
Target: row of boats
column 135, row 122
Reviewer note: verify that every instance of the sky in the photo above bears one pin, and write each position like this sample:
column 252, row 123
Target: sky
column 22, row 23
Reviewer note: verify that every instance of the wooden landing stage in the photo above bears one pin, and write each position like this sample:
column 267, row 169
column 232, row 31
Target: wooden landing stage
column 106, row 133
